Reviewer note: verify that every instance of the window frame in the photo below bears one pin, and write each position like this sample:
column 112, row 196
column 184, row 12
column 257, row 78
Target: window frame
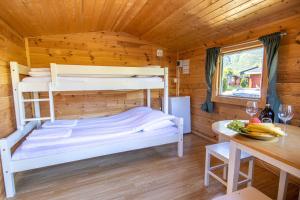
column 216, row 93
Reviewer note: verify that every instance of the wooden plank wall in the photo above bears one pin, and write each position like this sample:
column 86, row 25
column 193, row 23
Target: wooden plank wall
column 97, row 48
column 11, row 48
column 288, row 75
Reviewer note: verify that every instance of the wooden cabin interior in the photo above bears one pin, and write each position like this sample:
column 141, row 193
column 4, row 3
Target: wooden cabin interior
column 71, row 36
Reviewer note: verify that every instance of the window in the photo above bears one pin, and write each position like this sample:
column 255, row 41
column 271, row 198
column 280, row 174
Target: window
column 240, row 74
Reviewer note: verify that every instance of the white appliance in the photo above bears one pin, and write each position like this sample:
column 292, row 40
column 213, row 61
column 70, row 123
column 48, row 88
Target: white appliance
column 180, row 107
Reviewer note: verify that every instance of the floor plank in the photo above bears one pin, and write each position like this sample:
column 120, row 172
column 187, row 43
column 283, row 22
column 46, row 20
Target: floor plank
column 153, row 173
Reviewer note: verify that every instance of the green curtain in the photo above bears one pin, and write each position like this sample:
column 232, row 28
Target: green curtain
column 210, row 67
column 271, row 43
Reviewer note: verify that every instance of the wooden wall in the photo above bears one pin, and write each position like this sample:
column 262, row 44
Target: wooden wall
column 97, row 48
column 11, row 48
column 288, row 75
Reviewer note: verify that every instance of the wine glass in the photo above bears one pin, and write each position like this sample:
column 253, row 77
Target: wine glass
column 251, row 108
column 285, row 113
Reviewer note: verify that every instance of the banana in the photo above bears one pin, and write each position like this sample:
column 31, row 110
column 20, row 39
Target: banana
column 266, row 128
column 260, row 134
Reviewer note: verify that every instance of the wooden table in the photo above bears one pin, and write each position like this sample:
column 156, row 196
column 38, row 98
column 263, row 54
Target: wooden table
column 283, row 152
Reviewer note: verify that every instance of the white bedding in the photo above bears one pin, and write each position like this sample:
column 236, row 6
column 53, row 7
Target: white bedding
column 46, row 79
column 21, row 154
column 48, row 134
column 107, row 121
column 60, row 124
column 46, row 73
column 132, row 123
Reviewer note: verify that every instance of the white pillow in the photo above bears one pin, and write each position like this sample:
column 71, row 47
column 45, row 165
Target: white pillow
column 163, row 124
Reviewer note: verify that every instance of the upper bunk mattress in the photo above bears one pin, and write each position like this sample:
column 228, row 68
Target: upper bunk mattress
column 68, row 135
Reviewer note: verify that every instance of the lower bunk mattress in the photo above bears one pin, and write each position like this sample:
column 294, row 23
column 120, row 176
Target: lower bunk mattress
column 61, row 136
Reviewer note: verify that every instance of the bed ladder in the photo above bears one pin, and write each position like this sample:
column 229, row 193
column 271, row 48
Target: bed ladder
column 36, row 101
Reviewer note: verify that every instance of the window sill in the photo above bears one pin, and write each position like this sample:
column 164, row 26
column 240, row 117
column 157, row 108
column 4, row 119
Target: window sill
column 238, row 101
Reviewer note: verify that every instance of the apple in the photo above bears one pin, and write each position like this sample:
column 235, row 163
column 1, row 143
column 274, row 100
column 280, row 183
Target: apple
column 254, row 120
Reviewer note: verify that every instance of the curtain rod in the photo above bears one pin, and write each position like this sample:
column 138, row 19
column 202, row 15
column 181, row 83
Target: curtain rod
column 248, row 42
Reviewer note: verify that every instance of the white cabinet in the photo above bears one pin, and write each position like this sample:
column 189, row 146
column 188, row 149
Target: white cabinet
column 180, row 107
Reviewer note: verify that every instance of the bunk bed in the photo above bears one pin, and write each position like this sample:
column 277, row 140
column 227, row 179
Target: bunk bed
column 80, row 139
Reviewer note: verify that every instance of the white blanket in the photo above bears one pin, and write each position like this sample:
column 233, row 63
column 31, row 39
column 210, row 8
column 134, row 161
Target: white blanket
column 82, row 133
column 45, row 134
column 107, row 121
column 60, row 124
column 160, row 125
column 21, row 153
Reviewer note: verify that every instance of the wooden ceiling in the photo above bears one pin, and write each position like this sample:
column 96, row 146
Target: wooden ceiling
column 175, row 24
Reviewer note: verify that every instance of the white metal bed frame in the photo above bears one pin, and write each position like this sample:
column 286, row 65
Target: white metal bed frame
column 25, row 126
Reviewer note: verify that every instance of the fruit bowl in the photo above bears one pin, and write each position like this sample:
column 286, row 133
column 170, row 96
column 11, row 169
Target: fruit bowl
column 258, row 131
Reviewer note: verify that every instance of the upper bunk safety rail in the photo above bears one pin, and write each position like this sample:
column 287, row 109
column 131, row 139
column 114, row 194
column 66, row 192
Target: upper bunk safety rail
column 107, row 75
column 87, row 70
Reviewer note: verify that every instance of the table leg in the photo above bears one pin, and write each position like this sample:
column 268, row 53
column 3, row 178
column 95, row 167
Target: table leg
column 233, row 167
column 283, row 183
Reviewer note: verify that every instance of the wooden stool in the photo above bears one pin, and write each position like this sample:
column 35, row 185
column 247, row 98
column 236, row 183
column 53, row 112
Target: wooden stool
column 221, row 151
column 248, row 193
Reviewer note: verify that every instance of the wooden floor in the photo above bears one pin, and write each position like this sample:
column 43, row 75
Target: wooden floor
column 154, row 173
